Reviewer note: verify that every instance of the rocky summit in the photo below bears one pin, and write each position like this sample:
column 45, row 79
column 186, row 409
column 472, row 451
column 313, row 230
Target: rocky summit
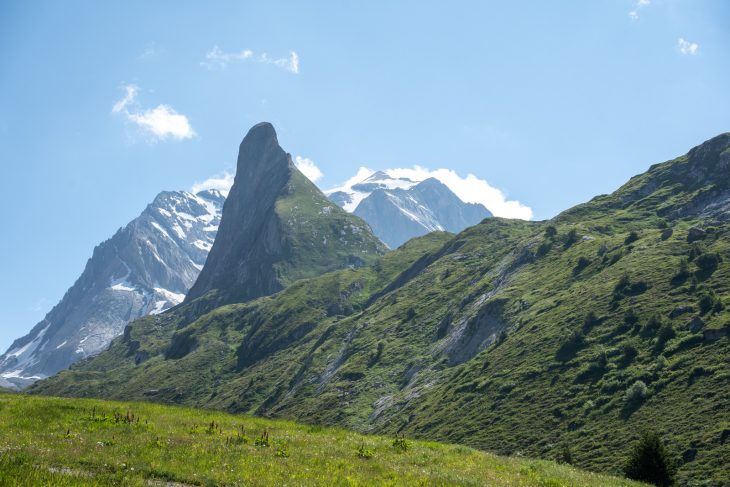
column 277, row 227
column 145, row 268
column 399, row 208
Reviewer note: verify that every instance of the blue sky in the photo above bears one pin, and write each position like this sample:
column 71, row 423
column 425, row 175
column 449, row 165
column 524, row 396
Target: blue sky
column 550, row 102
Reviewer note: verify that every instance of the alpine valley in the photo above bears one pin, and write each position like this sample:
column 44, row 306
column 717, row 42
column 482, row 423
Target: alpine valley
column 517, row 337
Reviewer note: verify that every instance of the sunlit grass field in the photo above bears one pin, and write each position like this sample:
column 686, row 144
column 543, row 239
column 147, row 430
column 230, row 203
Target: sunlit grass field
column 53, row 441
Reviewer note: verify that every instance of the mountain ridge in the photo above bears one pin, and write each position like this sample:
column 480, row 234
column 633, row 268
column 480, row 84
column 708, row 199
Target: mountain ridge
column 399, row 209
column 145, row 267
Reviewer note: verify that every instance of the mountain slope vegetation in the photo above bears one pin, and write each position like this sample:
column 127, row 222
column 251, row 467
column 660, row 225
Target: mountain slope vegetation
column 517, row 337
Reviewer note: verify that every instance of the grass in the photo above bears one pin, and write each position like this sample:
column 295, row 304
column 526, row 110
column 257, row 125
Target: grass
column 63, row 442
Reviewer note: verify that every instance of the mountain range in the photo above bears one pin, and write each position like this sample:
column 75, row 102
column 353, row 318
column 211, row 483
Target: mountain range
column 519, row 337
column 399, row 209
column 150, row 264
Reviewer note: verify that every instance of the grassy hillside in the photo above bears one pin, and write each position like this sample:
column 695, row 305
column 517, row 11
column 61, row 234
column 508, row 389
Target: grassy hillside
column 90, row 442
column 515, row 337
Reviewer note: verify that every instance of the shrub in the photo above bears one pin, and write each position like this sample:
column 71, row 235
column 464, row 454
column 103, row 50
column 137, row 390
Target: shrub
column 629, row 353
column 650, row 462
column 263, row 440
column 625, row 287
column 666, row 333
column 590, row 321
column 709, row 301
column 615, row 257
column 623, row 283
column 410, row 314
column 637, row 392
column 602, row 250
column 570, row 238
column 363, row 452
column 696, row 373
column 707, row 263
column 582, row 263
column 400, row 443
column 282, row 450
column 631, row 238
column 565, row 455
column 631, row 318
column 544, row 248
column 652, row 326
column 594, row 369
column 551, row 232
column 574, row 342
column 695, row 251
column 375, row 358
column 682, row 273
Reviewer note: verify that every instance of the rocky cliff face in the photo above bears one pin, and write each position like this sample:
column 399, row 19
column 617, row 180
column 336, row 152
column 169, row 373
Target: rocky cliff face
column 277, row 227
column 145, row 268
column 399, row 209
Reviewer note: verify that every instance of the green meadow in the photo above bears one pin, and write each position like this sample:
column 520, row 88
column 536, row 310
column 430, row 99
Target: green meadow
column 62, row 442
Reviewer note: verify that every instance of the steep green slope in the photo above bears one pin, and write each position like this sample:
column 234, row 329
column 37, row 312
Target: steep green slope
column 179, row 357
column 143, row 444
column 516, row 337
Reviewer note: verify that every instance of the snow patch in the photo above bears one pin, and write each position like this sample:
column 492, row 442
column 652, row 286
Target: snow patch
column 16, row 374
column 179, row 231
column 122, row 286
column 159, row 307
column 161, row 230
column 203, row 245
column 172, row 297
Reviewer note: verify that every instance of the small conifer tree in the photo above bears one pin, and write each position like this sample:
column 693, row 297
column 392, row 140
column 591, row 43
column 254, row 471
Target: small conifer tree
column 649, row 461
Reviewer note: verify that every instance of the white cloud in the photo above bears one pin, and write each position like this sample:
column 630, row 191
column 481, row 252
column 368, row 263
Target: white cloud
column 361, row 174
column 130, row 94
column 290, row 64
column 469, row 189
column 634, row 14
column 686, row 47
column 149, row 51
column 161, row 122
column 218, row 59
column 308, row 168
column 215, row 58
column 221, row 182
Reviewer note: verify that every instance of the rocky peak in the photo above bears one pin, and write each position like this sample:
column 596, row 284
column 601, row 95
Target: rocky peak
column 276, row 227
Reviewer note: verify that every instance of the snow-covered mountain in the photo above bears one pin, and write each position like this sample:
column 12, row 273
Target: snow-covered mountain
column 145, row 268
column 398, row 209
